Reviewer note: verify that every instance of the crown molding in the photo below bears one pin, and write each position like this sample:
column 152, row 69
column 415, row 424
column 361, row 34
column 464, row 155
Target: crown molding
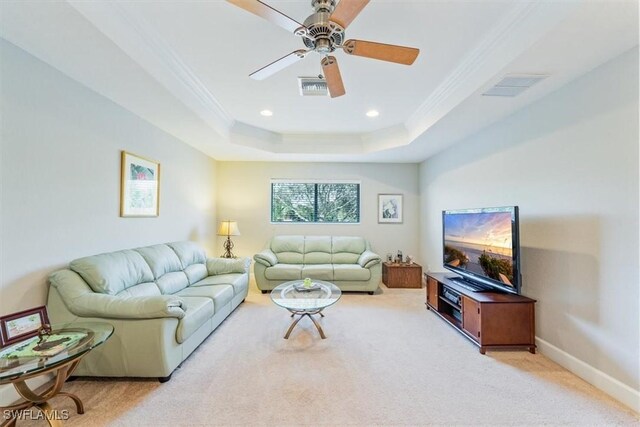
column 174, row 64
column 522, row 26
column 136, row 37
column 470, row 63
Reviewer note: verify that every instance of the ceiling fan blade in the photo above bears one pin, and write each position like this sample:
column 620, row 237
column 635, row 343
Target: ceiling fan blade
column 346, row 11
column 332, row 76
column 384, row 52
column 272, row 15
column 278, row 64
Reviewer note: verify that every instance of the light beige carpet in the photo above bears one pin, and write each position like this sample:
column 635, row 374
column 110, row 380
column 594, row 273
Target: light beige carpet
column 386, row 361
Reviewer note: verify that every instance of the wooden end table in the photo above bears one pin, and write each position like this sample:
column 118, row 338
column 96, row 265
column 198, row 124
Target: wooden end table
column 401, row 275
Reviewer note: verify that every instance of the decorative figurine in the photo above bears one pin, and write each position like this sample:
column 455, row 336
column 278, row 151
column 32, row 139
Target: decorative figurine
column 44, row 331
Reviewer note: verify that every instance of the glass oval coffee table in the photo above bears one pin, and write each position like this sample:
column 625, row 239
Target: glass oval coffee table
column 57, row 353
column 303, row 301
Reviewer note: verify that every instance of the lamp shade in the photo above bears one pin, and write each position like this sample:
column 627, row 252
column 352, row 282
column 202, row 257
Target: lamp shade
column 228, row 228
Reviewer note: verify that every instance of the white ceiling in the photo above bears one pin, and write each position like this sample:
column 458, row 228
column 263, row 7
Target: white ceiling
column 184, row 65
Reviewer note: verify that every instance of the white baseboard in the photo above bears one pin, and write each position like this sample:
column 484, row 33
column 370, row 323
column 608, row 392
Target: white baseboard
column 604, row 382
column 8, row 394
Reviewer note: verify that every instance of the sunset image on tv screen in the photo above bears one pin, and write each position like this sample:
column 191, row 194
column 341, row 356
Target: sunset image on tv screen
column 480, row 243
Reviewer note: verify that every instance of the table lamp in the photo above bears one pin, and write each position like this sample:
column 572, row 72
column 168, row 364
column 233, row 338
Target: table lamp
column 228, row 228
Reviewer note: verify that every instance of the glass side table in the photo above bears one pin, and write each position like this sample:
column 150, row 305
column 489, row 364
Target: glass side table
column 20, row 362
column 305, row 302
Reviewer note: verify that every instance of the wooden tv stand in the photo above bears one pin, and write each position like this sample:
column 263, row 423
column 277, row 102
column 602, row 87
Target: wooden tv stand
column 490, row 320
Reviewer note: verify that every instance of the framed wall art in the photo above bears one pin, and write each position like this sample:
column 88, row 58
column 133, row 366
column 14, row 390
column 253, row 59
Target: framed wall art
column 22, row 325
column 139, row 186
column 390, row 208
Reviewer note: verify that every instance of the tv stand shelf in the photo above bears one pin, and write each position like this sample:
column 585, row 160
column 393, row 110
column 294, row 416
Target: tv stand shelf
column 490, row 320
column 446, row 301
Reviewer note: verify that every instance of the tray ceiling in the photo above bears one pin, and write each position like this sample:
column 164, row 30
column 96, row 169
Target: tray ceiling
column 184, row 66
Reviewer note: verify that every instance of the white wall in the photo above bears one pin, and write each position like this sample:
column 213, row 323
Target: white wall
column 570, row 161
column 244, row 193
column 60, row 177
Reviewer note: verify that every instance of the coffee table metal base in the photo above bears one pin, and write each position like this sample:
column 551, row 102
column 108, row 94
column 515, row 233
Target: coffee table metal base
column 308, row 314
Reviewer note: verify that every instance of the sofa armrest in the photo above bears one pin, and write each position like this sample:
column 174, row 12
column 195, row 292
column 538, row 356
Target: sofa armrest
column 368, row 259
column 217, row 266
column 110, row 307
column 82, row 301
column 266, row 257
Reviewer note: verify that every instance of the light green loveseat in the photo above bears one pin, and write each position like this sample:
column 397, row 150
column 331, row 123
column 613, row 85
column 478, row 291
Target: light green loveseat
column 162, row 300
column 346, row 261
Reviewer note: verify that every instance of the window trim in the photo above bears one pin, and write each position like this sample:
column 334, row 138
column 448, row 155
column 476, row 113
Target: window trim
column 314, row 181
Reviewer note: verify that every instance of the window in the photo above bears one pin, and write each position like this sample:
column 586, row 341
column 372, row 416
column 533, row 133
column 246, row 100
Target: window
column 303, row 201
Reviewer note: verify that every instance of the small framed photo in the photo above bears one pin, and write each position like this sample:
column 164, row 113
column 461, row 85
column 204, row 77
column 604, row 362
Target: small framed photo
column 390, row 208
column 22, row 325
column 139, row 186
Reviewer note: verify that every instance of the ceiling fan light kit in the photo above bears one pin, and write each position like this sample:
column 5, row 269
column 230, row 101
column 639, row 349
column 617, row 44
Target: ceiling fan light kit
column 323, row 32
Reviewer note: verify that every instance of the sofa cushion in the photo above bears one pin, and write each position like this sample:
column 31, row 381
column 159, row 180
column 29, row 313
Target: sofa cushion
column 196, row 272
column 318, row 271
column 217, row 266
column 347, row 250
column 161, row 259
column 284, row 272
column 221, row 295
column 148, row 289
column 113, row 272
column 240, row 282
column 188, row 253
column 198, row 310
column 348, row 272
column 288, row 249
column 171, row 283
column 317, row 250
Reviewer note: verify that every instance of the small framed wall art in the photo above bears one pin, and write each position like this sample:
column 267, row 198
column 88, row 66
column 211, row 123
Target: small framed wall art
column 139, row 186
column 390, row 208
column 22, row 325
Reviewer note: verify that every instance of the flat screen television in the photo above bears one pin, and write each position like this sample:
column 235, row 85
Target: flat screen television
column 482, row 246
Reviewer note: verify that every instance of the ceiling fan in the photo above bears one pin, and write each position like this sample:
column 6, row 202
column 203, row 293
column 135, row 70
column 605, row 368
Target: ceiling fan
column 323, row 32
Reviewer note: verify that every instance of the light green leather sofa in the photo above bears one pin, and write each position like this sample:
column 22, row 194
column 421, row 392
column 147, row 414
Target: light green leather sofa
column 346, row 261
column 162, row 300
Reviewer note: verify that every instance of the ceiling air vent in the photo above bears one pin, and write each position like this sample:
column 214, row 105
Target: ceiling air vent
column 514, row 84
column 312, row 86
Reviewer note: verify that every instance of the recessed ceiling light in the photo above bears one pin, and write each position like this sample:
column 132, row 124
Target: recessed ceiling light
column 373, row 113
column 266, row 113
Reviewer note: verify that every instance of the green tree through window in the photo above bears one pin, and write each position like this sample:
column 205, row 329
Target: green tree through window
column 315, row 202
